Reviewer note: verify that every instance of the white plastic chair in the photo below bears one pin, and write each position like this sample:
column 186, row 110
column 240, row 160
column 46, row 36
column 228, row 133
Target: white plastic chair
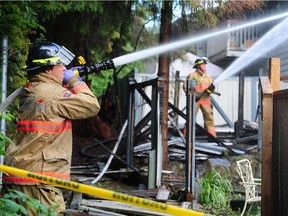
column 249, row 182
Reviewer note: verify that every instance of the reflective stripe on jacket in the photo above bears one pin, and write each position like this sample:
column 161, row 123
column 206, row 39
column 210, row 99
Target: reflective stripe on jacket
column 44, row 140
column 44, row 127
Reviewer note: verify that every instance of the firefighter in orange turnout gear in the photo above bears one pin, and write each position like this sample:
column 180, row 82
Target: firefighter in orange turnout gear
column 44, row 140
column 203, row 81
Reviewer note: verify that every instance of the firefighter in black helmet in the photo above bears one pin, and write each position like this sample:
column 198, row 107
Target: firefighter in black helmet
column 46, row 55
column 204, row 87
column 44, row 140
column 199, row 62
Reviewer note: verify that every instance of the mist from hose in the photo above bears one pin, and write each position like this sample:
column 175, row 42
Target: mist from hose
column 135, row 56
column 268, row 42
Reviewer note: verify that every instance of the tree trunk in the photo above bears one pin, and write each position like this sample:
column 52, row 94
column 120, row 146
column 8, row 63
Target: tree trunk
column 163, row 74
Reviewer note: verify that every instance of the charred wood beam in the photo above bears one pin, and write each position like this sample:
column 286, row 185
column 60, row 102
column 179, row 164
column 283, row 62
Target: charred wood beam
column 201, row 129
column 143, row 84
column 142, row 135
column 239, row 123
column 76, row 200
column 177, row 92
column 225, row 117
column 108, row 150
column 245, row 139
column 143, row 122
column 145, row 97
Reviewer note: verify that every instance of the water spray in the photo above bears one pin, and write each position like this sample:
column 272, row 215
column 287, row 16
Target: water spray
column 135, row 56
column 132, row 57
column 268, row 42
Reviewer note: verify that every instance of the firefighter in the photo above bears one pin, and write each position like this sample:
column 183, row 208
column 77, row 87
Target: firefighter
column 203, row 88
column 43, row 143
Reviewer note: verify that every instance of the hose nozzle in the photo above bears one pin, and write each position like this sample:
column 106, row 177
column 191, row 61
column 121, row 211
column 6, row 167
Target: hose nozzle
column 105, row 65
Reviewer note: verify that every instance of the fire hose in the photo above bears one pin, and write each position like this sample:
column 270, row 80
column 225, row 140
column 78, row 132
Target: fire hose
column 208, row 91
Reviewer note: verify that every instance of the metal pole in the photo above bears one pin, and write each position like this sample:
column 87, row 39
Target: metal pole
column 4, row 88
column 259, row 116
column 176, row 93
column 4, row 77
column 155, row 133
column 190, row 141
column 131, row 115
column 239, row 126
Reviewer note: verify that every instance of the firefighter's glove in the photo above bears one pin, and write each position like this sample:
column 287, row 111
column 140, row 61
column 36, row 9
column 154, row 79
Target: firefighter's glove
column 74, row 71
column 68, row 74
column 77, row 69
column 210, row 89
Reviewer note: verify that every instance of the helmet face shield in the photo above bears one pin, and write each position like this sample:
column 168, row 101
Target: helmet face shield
column 65, row 56
column 47, row 54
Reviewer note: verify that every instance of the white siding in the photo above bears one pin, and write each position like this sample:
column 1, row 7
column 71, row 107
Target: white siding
column 228, row 101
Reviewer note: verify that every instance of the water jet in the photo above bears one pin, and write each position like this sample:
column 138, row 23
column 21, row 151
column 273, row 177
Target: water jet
column 135, row 56
column 268, row 42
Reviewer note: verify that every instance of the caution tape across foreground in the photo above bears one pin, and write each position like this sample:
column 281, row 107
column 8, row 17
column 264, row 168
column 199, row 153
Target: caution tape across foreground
column 103, row 193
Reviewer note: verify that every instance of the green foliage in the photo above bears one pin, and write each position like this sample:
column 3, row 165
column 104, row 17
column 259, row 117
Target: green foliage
column 100, row 82
column 17, row 21
column 216, row 189
column 9, row 207
column 3, row 139
column 96, row 30
column 23, row 18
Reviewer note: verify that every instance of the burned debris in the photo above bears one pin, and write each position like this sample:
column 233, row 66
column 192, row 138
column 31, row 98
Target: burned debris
column 129, row 163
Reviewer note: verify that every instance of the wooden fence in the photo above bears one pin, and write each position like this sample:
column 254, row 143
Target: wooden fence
column 274, row 143
column 280, row 153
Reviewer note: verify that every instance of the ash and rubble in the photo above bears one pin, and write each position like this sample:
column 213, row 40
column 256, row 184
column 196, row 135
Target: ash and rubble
column 95, row 140
column 122, row 178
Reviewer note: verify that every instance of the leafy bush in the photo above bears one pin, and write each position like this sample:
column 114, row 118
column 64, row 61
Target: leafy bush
column 3, row 139
column 9, row 207
column 216, row 189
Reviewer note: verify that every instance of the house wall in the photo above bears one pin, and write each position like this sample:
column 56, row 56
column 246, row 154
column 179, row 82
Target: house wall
column 281, row 52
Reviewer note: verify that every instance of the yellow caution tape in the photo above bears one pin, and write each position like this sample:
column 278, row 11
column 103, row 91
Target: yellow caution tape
column 103, row 193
